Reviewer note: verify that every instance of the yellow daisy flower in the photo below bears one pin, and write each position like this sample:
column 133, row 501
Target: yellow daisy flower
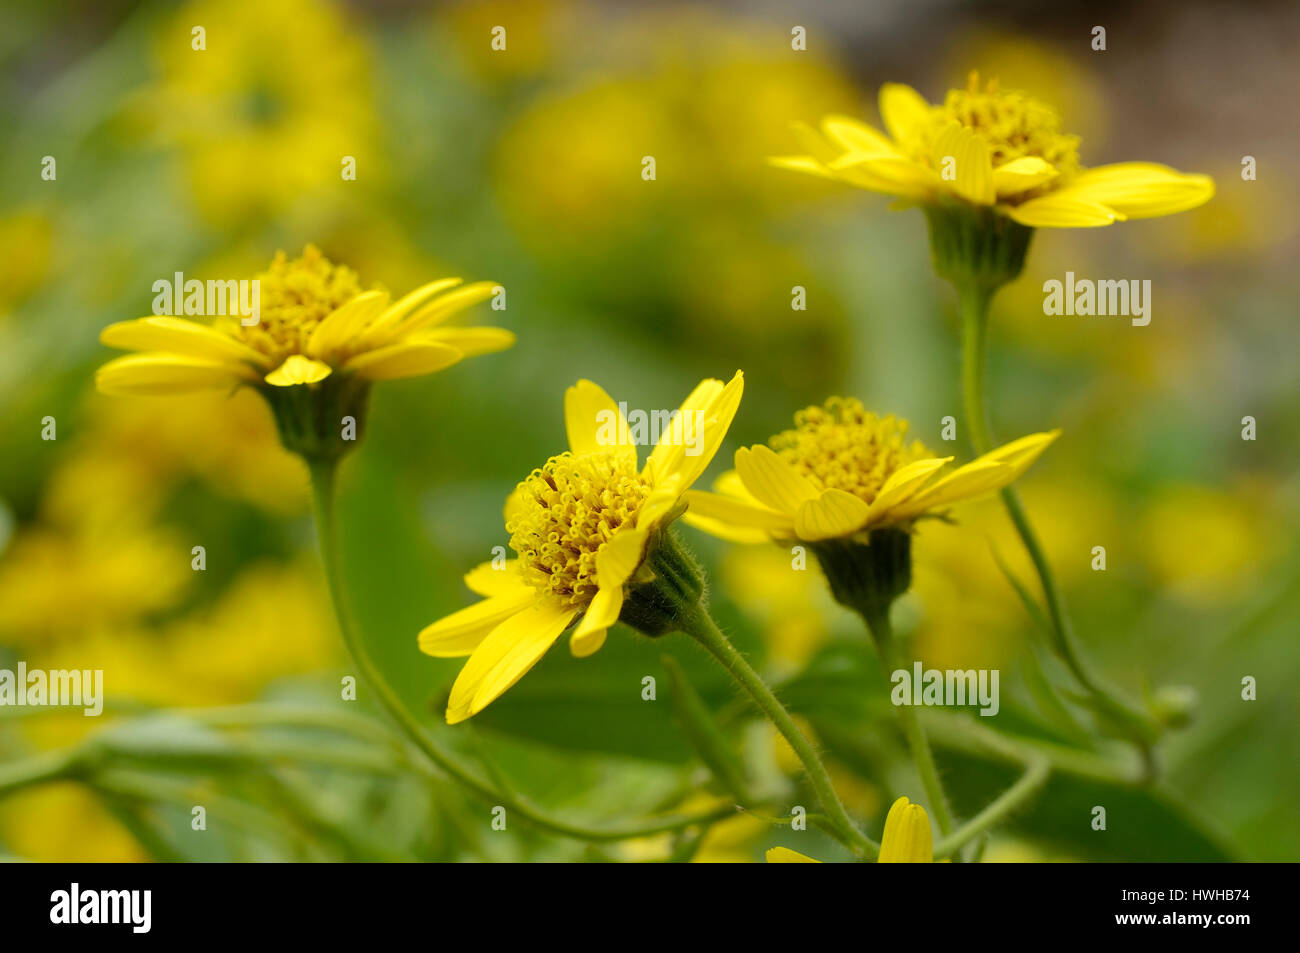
column 907, row 837
column 990, row 148
column 843, row 471
column 588, row 529
column 315, row 321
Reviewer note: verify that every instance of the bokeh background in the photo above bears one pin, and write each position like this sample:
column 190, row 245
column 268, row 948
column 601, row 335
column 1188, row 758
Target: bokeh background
column 523, row 167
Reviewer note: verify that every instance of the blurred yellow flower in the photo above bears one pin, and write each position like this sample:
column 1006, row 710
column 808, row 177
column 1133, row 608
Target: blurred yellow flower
column 65, row 823
column 266, row 111
column 843, row 471
column 582, row 527
column 990, row 148
column 907, row 837
column 315, row 321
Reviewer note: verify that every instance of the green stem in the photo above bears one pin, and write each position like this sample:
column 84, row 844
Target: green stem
column 1035, row 776
column 323, row 477
column 974, row 306
column 701, row 627
column 891, row 654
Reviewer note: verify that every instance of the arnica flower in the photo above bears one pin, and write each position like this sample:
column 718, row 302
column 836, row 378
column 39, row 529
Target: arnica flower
column 317, row 344
column 848, row 482
column 592, row 541
column 907, row 837
column 990, row 148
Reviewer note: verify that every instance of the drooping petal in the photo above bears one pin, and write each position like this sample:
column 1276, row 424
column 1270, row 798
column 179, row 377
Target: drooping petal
column 907, row 838
column 461, row 632
column 901, row 109
column 618, row 558
column 1021, row 175
column 508, row 652
column 344, row 324
column 1141, row 189
column 406, row 359
column 178, row 336
column 160, row 374
column 773, row 482
column 973, row 167
column 833, row 513
column 298, row 369
column 1062, row 210
column 589, row 635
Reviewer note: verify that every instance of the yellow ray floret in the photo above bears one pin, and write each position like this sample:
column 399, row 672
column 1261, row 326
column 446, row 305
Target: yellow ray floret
column 842, row 471
column 314, row 321
column 990, row 147
column 907, row 837
column 580, row 527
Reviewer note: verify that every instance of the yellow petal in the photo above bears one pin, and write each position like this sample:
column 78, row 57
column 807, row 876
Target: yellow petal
column 666, row 457
column 784, row 855
column 178, row 336
column 901, row 109
column 159, row 374
column 727, row 509
column 728, row 531
column 593, row 421
column 974, row 168
column 662, row 499
column 833, row 513
column 487, row 580
column 772, row 481
column 406, row 359
column 298, row 369
column 965, row 483
column 857, row 137
column 617, row 559
column 1141, row 189
column 461, row 632
column 712, row 426
column 907, row 837
column 601, row 614
column 470, row 341
column 893, row 175
column 344, row 324
column 1020, row 454
column 1023, row 174
column 802, row 164
column 1061, row 210
column 508, row 652
column 382, row 329
column 904, row 483
column 440, row 309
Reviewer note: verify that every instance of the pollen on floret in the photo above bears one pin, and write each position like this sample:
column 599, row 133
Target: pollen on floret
column 297, row 295
column 566, row 511
column 1012, row 123
column 843, row 446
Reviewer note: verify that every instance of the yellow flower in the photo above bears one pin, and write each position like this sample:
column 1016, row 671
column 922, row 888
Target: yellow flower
column 843, row 471
column 583, row 527
column 315, row 321
column 784, row 855
column 907, row 835
column 991, row 148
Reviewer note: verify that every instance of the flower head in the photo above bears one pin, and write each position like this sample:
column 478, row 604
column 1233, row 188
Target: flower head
column 586, row 529
column 315, row 330
column 907, row 837
column 991, row 148
column 843, row 471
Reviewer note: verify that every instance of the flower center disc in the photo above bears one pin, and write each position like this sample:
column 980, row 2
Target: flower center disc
column 296, row 296
column 843, row 446
column 565, row 512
